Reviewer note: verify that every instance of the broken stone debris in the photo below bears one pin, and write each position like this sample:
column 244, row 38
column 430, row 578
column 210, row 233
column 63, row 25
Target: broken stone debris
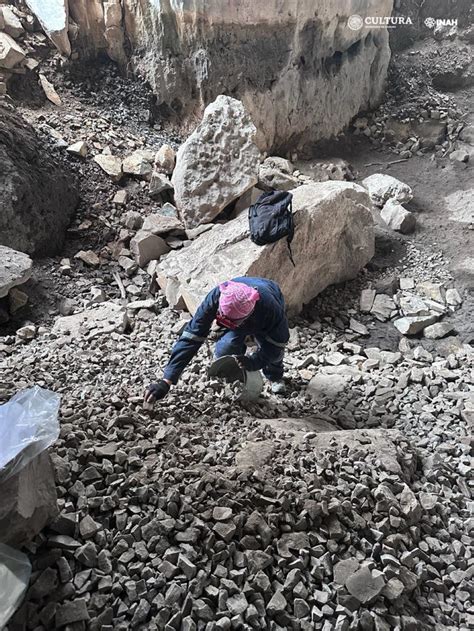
column 49, row 90
column 139, row 163
column 10, row 23
column 131, row 519
column 410, row 312
column 159, row 183
column 165, row 159
column 276, row 174
column 296, row 593
column 78, row 148
column 147, row 247
column 89, row 257
column 11, row 53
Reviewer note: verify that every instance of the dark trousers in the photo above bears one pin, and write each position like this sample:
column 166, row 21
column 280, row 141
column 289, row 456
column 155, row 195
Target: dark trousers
column 233, row 343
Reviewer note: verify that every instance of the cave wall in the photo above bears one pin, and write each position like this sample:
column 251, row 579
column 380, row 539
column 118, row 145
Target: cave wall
column 301, row 72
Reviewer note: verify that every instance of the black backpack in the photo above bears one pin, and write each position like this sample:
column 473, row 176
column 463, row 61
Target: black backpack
column 271, row 219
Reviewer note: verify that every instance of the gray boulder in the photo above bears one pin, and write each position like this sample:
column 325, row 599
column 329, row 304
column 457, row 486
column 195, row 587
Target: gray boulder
column 334, row 239
column 37, row 199
column 217, row 163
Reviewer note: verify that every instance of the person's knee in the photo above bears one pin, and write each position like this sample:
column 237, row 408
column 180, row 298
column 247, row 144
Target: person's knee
column 228, row 345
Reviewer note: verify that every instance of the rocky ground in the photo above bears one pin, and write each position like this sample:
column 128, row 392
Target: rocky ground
column 207, row 513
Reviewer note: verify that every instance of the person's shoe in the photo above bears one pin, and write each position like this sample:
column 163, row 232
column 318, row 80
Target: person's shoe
column 278, row 387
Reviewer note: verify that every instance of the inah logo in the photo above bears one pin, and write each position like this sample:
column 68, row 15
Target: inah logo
column 355, row 22
column 432, row 22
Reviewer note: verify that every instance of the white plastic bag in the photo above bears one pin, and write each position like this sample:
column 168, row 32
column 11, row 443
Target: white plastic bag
column 28, row 425
column 15, row 571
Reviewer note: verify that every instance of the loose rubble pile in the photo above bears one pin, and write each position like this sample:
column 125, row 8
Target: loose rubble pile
column 419, row 113
column 206, row 514
column 342, row 505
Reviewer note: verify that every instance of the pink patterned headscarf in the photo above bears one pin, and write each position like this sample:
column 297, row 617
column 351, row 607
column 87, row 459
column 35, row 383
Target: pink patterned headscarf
column 237, row 300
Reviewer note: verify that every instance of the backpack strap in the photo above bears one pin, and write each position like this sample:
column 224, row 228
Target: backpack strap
column 290, row 253
column 289, row 238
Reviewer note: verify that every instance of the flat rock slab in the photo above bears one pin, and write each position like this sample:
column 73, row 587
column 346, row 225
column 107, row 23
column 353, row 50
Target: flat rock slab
column 15, row 269
column 460, row 205
column 298, row 428
column 334, row 239
column 28, row 503
column 327, row 385
column 254, row 455
column 106, row 318
column 380, row 442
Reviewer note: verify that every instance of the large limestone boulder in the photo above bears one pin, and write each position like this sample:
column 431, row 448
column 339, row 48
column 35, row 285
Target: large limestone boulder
column 334, row 239
column 37, row 199
column 29, row 501
column 311, row 75
column 15, row 269
column 217, row 163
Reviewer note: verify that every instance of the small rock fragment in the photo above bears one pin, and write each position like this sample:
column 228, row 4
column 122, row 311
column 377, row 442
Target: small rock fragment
column 78, row 148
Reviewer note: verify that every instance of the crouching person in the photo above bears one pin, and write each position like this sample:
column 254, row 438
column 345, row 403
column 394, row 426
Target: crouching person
column 242, row 307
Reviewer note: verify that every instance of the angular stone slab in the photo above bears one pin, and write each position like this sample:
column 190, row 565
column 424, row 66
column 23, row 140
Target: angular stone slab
column 334, row 239
column 53, row 17
column 217, row 163
column 28, row 502
column 460, row 205
column 15, row 269
column 398, row 218
column 383, row 187
column 380, row 442
column 11, row 54
column 107, row 318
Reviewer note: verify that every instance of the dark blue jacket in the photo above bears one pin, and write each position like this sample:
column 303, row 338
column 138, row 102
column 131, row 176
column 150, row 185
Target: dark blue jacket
column 267, row 323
